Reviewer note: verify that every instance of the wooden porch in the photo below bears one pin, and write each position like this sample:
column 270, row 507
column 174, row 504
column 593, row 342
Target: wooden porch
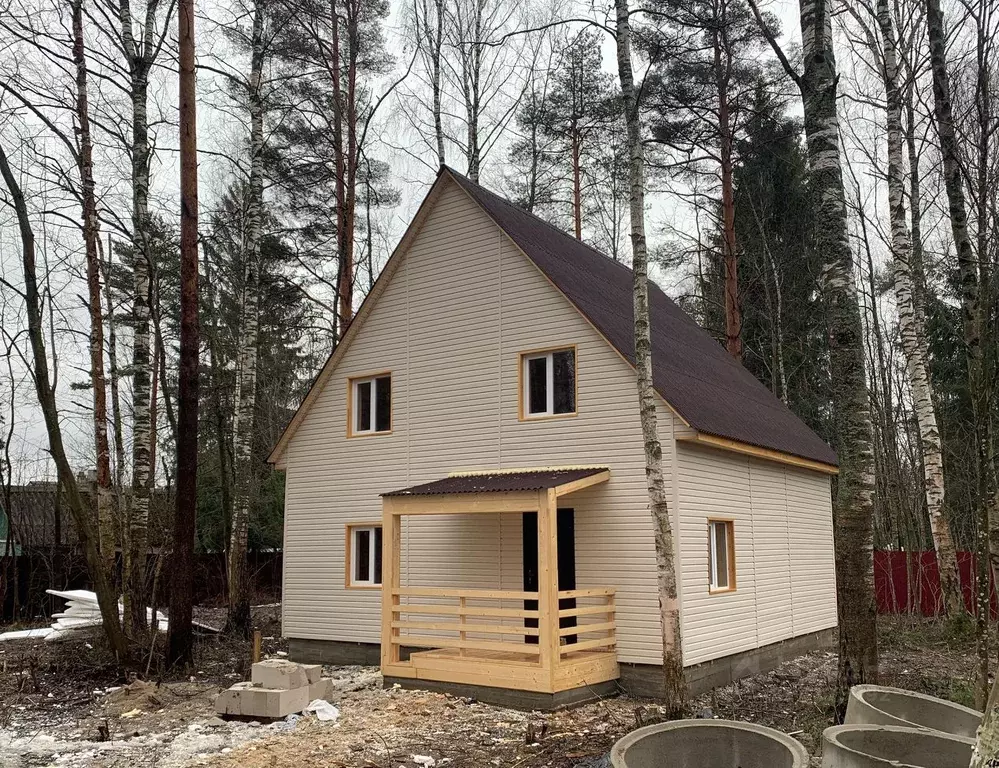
column 546, row 641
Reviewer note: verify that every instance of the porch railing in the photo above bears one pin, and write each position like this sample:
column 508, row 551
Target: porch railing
column 493, row 622
column 465, row 619
column 587, row 622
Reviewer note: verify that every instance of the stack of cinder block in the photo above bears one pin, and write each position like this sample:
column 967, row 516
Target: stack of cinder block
column 277, row 688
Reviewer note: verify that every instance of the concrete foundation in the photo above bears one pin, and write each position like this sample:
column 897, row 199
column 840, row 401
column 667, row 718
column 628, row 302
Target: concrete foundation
column 880, row 705
column 508, row 697
column 336, row 653
column 645, row 680
column 888, row 746
column 708, row 744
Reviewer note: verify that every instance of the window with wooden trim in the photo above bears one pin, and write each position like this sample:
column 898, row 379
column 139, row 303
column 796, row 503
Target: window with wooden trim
column 371, row 404
column 721, row 555
column 548, row 383
column 364, row 555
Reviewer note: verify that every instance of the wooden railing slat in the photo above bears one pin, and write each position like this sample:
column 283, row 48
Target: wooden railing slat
column 471, row 594
column 471, row 629
column 583, row 629
column 593, row 592
column 472, row 610
column 585, row 645
column 528, row 649
column 587, row 610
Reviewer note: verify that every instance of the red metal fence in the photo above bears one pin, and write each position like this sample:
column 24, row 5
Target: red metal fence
column 909, row 582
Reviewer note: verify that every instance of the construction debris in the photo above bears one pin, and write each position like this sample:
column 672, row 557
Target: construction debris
column 82, row 615
column 276, row 689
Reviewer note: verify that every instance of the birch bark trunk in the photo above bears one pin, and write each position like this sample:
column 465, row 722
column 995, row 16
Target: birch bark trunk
column 91, row 235
column 986, row 751
column 675, row 685
column 971, row 314
column 238, row 620
column 853, row 507
column 139, row 58
column 910, row 326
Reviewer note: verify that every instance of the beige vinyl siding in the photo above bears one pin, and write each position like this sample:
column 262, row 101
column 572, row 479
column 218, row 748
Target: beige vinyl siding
column 450, row 325
column 782, row 518
column 812, row 555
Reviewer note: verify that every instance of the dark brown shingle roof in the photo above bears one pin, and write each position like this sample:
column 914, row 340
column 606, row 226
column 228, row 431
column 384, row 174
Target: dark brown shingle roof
column 691, row 371
column 531, row 480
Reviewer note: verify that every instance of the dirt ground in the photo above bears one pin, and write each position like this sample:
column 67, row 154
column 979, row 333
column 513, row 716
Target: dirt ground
column 60, row 705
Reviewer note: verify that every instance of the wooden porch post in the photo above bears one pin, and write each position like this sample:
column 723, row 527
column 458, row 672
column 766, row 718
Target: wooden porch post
column 391, row 541
column 548, row 581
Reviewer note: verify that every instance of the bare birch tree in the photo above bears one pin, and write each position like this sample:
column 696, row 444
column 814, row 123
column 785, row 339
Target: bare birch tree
column 911, row 322
column 972, row 314
column 675, row 684
column 243, row 422
column 140, row 54
column 853, row 504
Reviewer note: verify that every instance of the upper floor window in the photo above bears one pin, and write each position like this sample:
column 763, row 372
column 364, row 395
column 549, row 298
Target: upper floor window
column 721, row 556
column 548, row 383
column 371, row 404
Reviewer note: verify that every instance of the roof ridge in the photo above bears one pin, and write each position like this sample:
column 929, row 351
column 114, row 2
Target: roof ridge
column 545, row 222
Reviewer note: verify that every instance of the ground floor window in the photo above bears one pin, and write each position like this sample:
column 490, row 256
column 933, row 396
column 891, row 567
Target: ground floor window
column 721, row 555
column 364, row 555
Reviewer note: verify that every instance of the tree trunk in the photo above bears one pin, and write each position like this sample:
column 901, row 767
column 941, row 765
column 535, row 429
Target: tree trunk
column 733, row 312
column 179, row 650
column 577, row 192
column 986, row 751
column 675, row 685
column 85, row 524
column 910, row 327
column 971, row 310
column 119, row 438
column 853, row 504
column 435, row 81
column 85, row 163
column 238, row 620
column 135, row 545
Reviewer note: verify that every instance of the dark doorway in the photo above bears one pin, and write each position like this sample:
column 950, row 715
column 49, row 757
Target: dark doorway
column 566, row 545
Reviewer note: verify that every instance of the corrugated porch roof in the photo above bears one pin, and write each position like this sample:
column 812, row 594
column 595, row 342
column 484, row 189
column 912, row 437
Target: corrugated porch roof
column 501, row 481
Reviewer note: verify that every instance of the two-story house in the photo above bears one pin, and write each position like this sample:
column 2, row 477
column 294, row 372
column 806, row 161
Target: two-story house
column 466, row 500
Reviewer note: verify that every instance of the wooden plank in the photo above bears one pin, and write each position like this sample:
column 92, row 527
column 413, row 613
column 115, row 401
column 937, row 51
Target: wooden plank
column 525, row 678
column 762, row 453
column 583, row 482
column 583, row 629
column 465, row 503
column 472, row 610
column 391, row 544
column 450, row 626
column 594, row 592
column 587, row 610
column 476, row 645
column 585, row 645
column 471, row 594
column 577, row 674
column 548, row 579
column 402, row 669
